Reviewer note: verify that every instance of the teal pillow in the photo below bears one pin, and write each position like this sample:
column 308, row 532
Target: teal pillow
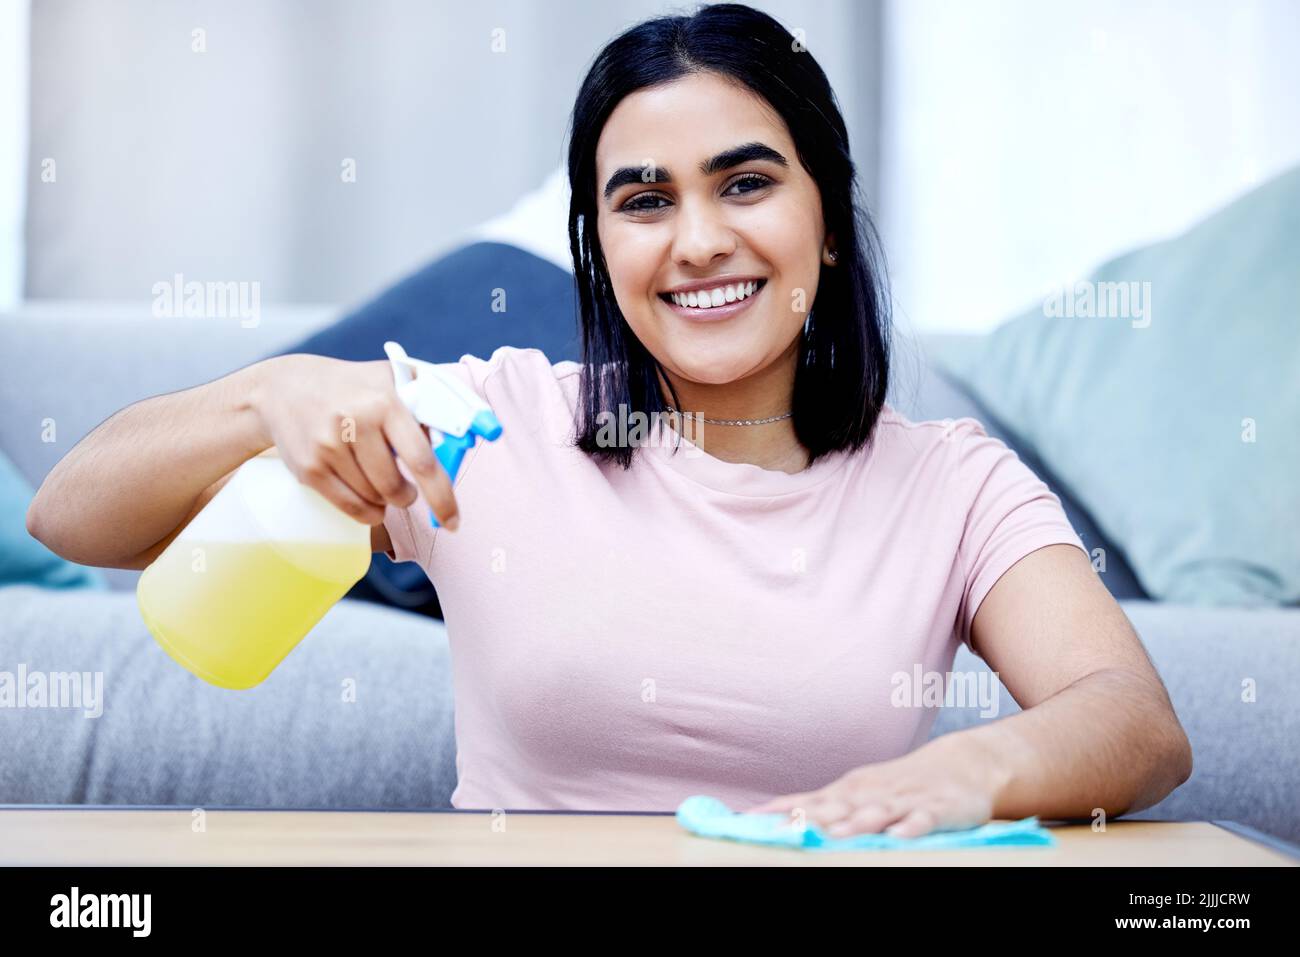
column 24, row 560
column 1174, row 422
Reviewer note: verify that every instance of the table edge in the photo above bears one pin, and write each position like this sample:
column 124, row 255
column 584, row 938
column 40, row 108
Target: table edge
column 1271, row 841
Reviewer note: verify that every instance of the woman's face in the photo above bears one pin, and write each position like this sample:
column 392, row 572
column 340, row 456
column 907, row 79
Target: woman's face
column 673, row 224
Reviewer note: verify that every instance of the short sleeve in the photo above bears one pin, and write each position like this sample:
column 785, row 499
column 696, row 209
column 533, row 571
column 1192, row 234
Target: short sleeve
column 410, row 529
column 1009, row 513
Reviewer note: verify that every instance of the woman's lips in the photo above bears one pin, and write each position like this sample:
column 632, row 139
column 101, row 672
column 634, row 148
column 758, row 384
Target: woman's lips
column 713, row 313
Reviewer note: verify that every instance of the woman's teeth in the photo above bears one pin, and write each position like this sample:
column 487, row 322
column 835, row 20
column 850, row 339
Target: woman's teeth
column 708, row 298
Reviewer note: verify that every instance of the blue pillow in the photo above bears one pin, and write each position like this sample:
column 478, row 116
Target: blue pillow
column 1174, row 422
column 471, row 301
column 24, row 560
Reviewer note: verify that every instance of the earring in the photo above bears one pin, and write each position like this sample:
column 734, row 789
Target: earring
column 833, row 256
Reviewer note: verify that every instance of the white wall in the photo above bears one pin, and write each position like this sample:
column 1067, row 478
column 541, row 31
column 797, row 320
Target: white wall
column 1025, row 142
column 225, row 165
column 14, row 21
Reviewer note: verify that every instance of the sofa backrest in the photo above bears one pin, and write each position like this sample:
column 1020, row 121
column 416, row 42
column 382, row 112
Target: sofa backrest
column 69, row 366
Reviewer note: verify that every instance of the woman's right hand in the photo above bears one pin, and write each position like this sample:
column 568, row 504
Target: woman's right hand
column 333, row 422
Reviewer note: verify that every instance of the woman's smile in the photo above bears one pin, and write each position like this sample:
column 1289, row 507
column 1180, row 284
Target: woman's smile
column 712, row 303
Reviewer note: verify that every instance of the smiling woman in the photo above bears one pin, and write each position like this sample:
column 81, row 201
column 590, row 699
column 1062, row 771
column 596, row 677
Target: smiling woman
column 635, row 616
column 726, row 613
column 710, row 158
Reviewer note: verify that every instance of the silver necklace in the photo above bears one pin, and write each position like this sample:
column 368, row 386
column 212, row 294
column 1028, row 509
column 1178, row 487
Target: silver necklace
column 695, row 415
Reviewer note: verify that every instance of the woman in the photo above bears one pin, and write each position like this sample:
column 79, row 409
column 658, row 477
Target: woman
column 710, row 558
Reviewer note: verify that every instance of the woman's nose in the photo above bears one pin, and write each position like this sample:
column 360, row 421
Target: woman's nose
column 701, row 235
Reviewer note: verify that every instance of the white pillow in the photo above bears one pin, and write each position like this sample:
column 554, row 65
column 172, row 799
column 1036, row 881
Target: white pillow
column 537, row 223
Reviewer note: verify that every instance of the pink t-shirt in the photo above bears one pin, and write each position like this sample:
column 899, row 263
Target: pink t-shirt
column 623, row 640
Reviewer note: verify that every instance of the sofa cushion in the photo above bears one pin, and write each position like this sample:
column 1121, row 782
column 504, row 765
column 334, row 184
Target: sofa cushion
column 164, row 737
column 359, row 715
column 471, row 301
column 1176, row 425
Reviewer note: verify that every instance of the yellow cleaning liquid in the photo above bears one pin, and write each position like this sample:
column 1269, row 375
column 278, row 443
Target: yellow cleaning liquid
column 230, row 611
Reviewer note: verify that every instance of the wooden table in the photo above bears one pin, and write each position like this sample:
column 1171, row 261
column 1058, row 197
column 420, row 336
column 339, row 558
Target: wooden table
column 116, row 836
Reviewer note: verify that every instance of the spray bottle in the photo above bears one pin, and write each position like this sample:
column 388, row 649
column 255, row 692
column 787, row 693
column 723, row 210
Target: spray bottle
column 264, row 560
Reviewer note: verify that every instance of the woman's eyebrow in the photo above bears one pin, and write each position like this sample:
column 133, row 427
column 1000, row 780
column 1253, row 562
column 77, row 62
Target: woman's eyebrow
column 745, row 153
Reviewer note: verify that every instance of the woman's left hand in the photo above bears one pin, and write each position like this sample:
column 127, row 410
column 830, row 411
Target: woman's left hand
column 941, row 786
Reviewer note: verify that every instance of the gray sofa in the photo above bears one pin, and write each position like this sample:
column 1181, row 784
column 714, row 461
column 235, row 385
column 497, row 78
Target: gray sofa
column 166, row 738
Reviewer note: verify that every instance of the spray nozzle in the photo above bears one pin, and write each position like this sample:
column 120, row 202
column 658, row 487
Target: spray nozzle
column 456, row 416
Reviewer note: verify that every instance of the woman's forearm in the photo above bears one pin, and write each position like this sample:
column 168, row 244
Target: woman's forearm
column 1108, row 741
column 132, row 480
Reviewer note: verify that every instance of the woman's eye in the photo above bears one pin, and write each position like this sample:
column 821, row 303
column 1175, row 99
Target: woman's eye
column 637, row 203
column 758, row 182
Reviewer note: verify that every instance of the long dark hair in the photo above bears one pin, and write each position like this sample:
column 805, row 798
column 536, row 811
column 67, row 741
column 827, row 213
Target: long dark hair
column 843, row 371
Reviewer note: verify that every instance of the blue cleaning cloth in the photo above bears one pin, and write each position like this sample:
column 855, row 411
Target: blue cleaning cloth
column 709, row 817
